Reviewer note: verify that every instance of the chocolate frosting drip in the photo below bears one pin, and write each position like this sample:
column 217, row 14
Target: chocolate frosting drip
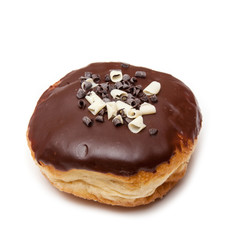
column 59, row 138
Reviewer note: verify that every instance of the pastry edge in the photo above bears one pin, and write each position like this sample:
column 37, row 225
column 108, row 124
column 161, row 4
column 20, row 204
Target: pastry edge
column 166, row 176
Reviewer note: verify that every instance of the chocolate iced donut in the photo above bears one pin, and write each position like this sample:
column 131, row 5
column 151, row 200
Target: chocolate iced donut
column 86, row 142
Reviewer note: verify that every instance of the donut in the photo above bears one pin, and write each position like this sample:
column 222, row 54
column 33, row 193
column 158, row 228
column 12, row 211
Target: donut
column 115, row 133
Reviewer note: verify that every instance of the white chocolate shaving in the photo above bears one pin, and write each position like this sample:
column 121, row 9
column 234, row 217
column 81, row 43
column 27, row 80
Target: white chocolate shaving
column 152, row 88
column 96, row 106
column 116, row 93
column 133, row 113
column 122, row 105
column 111, row 109
column 92, row 97
column 91, row 81
column 116, row 75
column 147, row 108
column 136, row 125
column 119, row 117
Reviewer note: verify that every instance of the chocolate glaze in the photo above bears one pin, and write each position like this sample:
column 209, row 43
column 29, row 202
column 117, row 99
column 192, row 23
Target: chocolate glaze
column 59, row 138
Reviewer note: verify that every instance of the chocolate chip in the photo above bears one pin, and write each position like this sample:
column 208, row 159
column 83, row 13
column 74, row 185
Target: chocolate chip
column 99, row 118
column 137, row 91
column 125, row 86
column 96, row 77
column 118, row 85
column 133, row 80
column 111, row 87
column 105, row 95
column 140, row 74
column 128, row 90
column 82, row 79
column 81, row 104
column 153, row 131
column 95, row 89
column 130, row 95
column 133, row 90
column 131, row 102
column 106, row 100
column 87, row 121
column 144, row 98
column 80, row 93
column 86, row 85
column 102, row 111
column 154, row 98
column 126, row 77
column 138, row 102
column 101, row 90
column 104, row 87
column 88, row 74
column 127, row 120
column 141, row 93
column 107, row 78
column 134, row 104
column 139, row 86
column 125, row 65
column 117, row 122
column 98, row 89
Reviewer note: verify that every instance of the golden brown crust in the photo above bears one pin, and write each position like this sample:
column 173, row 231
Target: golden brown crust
column 128, row 191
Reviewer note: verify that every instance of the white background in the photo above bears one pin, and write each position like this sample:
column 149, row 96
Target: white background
column 195, row 41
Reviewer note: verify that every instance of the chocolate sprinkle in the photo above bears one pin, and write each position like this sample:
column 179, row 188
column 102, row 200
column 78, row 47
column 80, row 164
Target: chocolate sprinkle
column 118, row 85
column 86, row 85
column 87, row 121
column 82, row 79
column 141, row 94
column 125, row 65
column 133, row 104
column 144, row 98
column 104, row 85
column 105, row 95
column 138, row 102
column 134, row 98
column 80, row 93
column 126, row 77
column 99, row 118
column 133, row 90
column 106, row 100
column 96, row 77
column 102, row 111
column 117, row 122
column 129, row 101
column 133, row 80
column 128, row 90
column 88, row 74
column 137, row 91
column 107, row 78
column 81, row 104
column 130, row 95
column 153, row 131
column 127, row 120
column 111, row 87
column 125, row 86
column 154, row 98
column 140, row 74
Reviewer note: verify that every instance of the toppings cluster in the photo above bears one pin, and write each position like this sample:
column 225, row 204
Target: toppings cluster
column 120, row 97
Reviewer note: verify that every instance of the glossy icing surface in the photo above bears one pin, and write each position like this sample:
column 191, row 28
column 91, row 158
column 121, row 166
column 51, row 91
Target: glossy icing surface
column 58, row 136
